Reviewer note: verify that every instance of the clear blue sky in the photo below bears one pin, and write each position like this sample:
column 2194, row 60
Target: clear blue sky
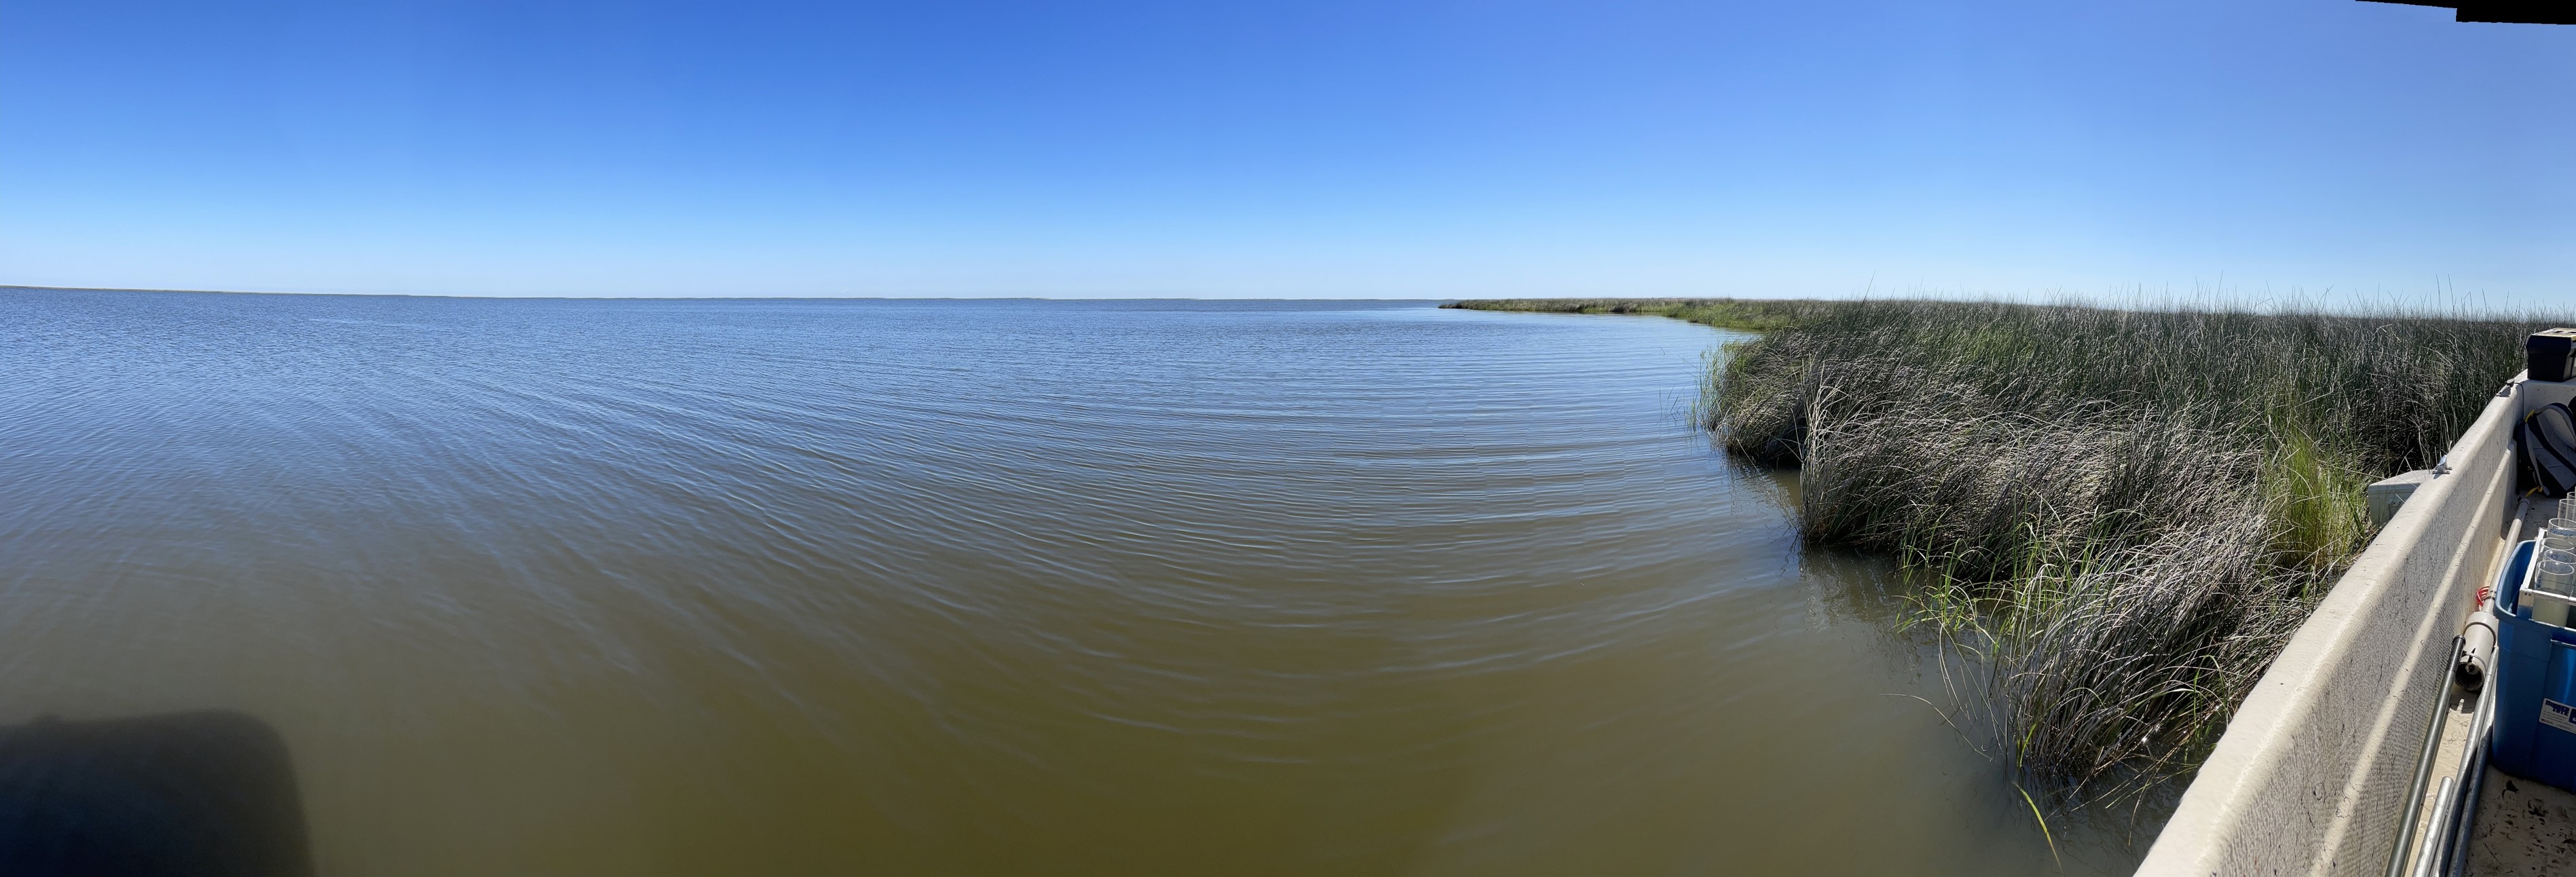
column 1312, row 148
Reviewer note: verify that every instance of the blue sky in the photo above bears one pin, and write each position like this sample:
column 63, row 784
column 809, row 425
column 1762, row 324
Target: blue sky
column 2240, row 148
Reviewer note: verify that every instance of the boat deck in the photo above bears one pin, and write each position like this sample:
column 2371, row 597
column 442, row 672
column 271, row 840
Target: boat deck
column 2515, row 826
column 2521, row 827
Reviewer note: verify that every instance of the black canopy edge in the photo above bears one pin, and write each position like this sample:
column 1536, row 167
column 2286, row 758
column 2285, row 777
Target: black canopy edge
column 2526, row 12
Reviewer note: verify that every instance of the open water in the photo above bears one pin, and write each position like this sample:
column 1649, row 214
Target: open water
column 968, row 588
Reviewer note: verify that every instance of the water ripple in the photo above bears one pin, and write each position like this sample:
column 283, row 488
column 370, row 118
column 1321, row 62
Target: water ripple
column 694, row 587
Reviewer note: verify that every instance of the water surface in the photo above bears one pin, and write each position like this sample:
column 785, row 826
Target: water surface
column 930, row 587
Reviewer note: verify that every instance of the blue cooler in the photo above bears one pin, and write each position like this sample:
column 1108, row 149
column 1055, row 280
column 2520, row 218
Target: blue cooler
column 2535, row 678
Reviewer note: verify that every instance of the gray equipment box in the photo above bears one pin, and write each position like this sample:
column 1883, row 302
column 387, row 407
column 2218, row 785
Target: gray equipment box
column 2387, row 496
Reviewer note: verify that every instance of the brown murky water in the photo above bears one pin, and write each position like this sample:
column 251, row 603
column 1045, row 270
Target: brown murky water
column 796, row 587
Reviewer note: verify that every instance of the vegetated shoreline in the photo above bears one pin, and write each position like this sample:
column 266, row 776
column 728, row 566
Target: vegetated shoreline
column 2119, row 515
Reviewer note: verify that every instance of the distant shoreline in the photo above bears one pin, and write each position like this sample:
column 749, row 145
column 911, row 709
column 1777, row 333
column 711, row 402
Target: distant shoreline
column 8, row 287
column 1749, row 315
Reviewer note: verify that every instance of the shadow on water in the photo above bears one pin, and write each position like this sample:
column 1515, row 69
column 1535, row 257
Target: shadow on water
column 204, row 794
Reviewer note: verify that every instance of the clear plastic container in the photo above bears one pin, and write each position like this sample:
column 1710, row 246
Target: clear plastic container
column 2546, row 599
column 2559, row 534
column 2558, row 578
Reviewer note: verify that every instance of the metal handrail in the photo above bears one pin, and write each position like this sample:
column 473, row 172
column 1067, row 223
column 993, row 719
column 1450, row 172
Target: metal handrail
column 2424, row 765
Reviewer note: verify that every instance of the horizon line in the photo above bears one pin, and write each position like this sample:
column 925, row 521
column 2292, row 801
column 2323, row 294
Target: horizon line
column 4, row 287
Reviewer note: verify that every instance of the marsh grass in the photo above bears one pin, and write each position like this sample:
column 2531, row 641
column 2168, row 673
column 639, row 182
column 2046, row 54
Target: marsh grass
column 2119, row 516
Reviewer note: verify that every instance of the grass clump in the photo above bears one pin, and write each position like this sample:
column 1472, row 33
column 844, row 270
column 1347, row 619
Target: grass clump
column 2121, row 514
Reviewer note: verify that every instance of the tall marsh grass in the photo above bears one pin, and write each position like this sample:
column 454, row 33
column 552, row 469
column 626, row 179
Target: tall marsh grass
column 2121, row 515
